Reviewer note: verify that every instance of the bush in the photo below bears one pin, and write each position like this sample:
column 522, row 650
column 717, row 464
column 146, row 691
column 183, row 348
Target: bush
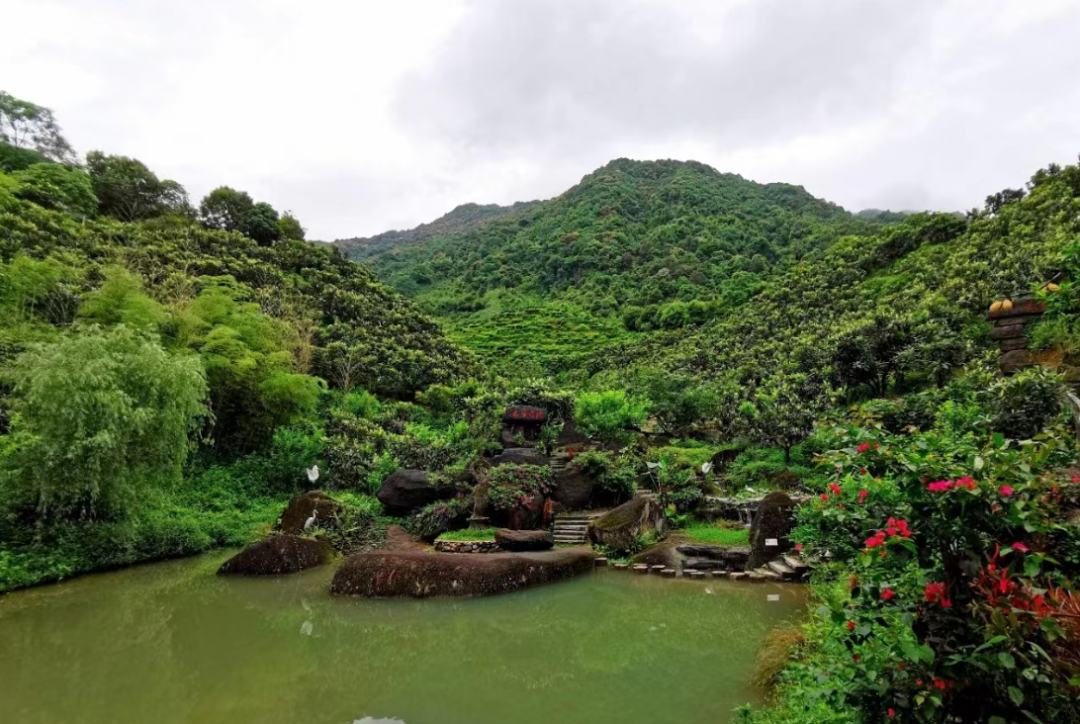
column 515, row 486
column 1026, row 402
column 617, row 477
column 609, row 415
column 440, row 517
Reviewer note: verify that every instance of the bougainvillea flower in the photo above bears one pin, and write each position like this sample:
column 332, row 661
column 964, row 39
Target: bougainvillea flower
column 1006, row 490
column 1020, row 547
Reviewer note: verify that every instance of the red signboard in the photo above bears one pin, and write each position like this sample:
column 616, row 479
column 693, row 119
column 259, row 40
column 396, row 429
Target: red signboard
column 525, row 413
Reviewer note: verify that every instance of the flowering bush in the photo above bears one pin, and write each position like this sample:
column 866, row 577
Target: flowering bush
column 517, row 486
column 947, row 550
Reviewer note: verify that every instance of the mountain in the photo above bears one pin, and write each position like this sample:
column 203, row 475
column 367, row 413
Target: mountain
column 462, row 219
column 634, row 247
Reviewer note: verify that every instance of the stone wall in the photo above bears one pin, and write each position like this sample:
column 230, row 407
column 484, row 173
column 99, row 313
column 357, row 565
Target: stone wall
column 466, row 546
column 1010, row 318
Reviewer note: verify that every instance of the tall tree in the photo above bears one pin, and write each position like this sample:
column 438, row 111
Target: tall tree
column 26, row 125
column 261, row 224
column 58, row 187
column 225, row 208
column 129, row 191
column 290, row 228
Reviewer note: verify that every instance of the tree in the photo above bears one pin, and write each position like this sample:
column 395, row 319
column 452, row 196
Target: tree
column 289, row 227
column 129, row 191
column 99, row 417
column 58, row 187
column 225, row 208
column 781, row 413
column 13, row 158
column 26, row 125
column 261, row 224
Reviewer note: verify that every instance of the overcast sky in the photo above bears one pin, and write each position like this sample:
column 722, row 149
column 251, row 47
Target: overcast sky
column 363, row 116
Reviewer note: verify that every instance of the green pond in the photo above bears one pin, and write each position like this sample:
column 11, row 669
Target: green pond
column 171, row 642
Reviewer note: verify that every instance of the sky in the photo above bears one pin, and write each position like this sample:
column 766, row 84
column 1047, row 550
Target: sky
column 363, row 116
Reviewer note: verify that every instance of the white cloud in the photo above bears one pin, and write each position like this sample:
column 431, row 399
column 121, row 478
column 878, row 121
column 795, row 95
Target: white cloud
column 363, row 116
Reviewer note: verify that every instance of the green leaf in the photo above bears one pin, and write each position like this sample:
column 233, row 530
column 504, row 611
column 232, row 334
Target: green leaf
column 1007, row 660
column 1016, row 695
column 979, row 463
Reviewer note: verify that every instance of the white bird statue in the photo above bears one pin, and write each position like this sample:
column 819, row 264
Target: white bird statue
column 311, row 521
column 313, row 473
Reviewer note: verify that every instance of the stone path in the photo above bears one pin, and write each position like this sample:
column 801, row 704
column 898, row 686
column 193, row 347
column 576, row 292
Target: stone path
column 570, row 528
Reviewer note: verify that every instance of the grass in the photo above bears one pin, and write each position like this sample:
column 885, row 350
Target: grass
column 469, row 534
column 714, row 535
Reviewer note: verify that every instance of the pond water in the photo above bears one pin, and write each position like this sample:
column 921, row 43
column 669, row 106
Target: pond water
column 171, row 642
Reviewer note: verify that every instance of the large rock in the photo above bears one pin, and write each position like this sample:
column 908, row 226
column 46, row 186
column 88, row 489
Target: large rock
column 520, row 456
column 1015, row 360
column 663, row 553
column 406, row 490
column 733, row 558
column 278, row 554
column 1008, row 331
column 573, row 488
column 524, row 516
column 620, row 527
column 421, row 575
column 570, row 435
column 524, row 540
column 301, row 507
column 770, row 530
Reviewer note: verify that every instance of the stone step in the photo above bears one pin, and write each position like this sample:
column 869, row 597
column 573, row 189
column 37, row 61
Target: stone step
column 780, row 568
column 768, row 574
column 795, row 564
column 572, row 541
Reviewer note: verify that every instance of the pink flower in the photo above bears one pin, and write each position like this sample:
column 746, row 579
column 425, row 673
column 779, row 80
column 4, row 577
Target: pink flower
column 940, row 486
column 864, row 447
column 798, row 547
column 1006, row 490
column 967, row 483
column 888, row 594
column 1020, row 547
column 862, row 496
column 834, row 488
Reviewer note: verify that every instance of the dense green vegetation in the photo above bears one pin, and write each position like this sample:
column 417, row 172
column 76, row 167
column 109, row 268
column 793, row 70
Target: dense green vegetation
column 169, row 371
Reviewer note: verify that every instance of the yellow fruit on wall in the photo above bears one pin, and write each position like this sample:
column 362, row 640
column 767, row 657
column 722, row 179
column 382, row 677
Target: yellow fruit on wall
column 995, row 307
column 1051, row 287
column 1006, row 305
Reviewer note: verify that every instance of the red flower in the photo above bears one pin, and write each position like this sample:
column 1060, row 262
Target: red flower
column 862, row 496
column 863, row 471
column 824, row 497
column 855, row 658
column 864, row 447
column 1020, row 547
column 850, row 625
column 888, row 594
column 878, row 539
column 798, row 547
column 935, row 592
column 834, row 488
column 940, row 486
column 1006, row 490
column 891, row 713
column 966, row 483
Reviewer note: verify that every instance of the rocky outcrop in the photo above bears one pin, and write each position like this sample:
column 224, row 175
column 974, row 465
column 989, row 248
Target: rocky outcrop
column 731, row 558
column 466, row 546
column 278, row 554
column 772, row 525
column 301, row 507
column 420, row 575
column 1010, row 317
column 663, row 553
column 527, row 515
column 573, row 488
column 524, row 540
column 406, row 490
column 520, row 456
column 620, row 527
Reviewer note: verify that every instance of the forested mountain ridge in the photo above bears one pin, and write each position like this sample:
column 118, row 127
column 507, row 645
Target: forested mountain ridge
column 461, row 219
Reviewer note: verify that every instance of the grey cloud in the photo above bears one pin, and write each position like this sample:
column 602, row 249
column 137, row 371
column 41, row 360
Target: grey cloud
column 572, row 75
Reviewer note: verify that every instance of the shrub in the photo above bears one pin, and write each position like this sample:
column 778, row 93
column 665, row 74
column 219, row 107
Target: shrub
column 437, row 518
column 1024, row 403
column 617, row 477
column 609, row 415
column 514, row 486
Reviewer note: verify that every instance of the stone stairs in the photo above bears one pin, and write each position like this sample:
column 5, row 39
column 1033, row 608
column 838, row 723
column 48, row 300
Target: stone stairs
column 570, row 528
column 785, row 568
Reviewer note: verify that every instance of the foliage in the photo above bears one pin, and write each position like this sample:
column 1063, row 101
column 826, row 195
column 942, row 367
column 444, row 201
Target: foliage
column 98, row 417
column 711, row 534
column 1026, row 402
column 440, row 517
column 514, row 486
column 261, row 224
column 616, row 476
column 58, row 187
column 609, row 415
column 26, row 125
column 225, row 208
column 127, row 190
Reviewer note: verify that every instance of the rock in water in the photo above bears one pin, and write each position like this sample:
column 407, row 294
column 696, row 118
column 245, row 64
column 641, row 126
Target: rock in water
column 520, row 456
column 524, row 540
column 406, row 490
column 420, row 575
column 770, row 530
column 620, row 527
column 300, row 509
column 278, row 554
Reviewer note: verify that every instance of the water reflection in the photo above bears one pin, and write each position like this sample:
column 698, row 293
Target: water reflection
column 173, row 643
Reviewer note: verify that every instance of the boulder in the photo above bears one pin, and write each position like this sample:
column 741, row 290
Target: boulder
column 662, row 553
column 1008, row 345
column 620, row 527
column 525, row 516
column 520, row 456
column 770, row 530
column 278, row 554
column 507, row 439
column 300, row 509
column 406, row 490
column 570, row 435
column 524, row 540
column 420, row 575
column 573, row 488
column 733, row 558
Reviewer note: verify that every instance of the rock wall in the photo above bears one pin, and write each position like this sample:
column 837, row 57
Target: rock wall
column 1010, row 318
